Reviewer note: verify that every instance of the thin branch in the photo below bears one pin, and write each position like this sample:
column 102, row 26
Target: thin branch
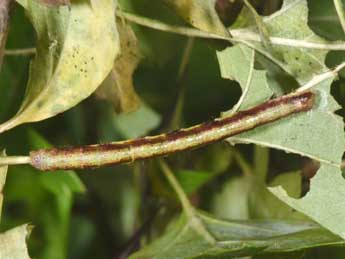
column 339, row 7
column 319, row 78
column 263, row 32
column 238, row 35
column 20, row 52
column 157, row 25
column 185, row 59
column 188, row 209
column 186, row 205
column 245, row 167
column 243, row 34
column 14, row 160
column 176, row 114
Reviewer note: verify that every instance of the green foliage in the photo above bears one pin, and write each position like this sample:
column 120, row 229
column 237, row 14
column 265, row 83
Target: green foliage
column 164, row 64
column 236, row 239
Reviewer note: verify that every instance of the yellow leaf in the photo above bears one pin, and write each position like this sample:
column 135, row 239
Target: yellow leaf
column 76, row 49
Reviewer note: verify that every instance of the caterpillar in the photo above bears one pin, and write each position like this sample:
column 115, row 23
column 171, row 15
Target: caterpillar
column 93, row 156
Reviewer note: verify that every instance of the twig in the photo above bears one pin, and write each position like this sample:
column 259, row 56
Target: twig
column 263, row 32
column 14, row 160
column 175, row 117
column 20, row 52
column 238, row 35
column 319, row 78
column 188, row 209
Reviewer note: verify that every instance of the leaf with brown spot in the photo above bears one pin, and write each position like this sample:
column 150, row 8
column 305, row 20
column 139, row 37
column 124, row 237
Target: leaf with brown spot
column 118, row 86
column 76, row 49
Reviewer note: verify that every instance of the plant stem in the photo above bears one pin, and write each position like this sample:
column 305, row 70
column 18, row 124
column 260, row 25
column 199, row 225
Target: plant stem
column 243, row 164
column 14, row 160
column 188, row 209
column 176, row 114
column 20, row 52
column 263, row 32
column 238, row 35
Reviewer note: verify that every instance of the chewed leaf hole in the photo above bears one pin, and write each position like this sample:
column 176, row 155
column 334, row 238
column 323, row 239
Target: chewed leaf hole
column 309, row 170
column 303, row 169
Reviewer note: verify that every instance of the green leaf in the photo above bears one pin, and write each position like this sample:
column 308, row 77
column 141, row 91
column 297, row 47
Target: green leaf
column 263, row 32
column 289, row 23
column 324, row 203
column 200, row 14
column 270, row 207
column 76, row 49
column 118, row 87
column 237, row 63
column 13, row 243
column 303, row 133
column 235, row 239
column 192, row 180
column 137, row 123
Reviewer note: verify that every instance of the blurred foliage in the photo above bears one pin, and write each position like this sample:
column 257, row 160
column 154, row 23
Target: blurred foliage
column 114, row 212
